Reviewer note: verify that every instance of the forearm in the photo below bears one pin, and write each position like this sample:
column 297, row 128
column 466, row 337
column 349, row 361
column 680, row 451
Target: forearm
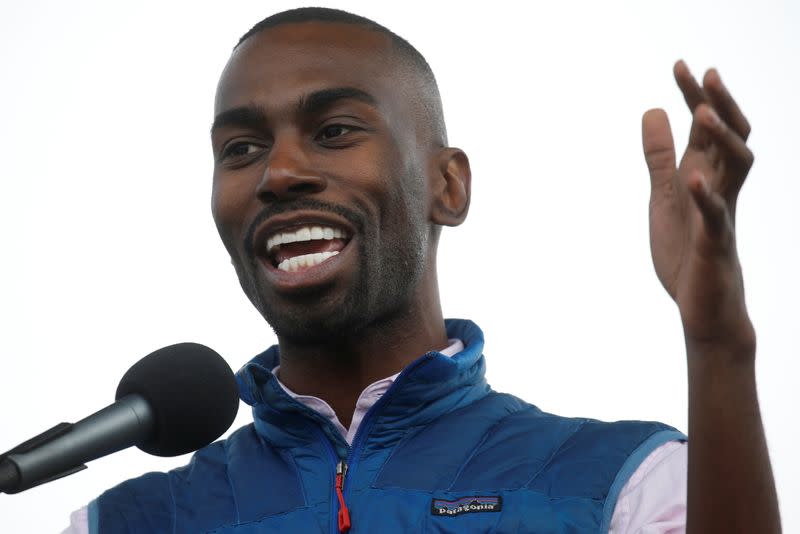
column 730, row 483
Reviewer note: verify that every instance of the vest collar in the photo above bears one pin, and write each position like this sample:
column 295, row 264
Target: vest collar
column 431, row 385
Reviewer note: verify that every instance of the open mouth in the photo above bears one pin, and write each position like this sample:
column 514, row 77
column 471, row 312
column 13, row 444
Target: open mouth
column 304, row 247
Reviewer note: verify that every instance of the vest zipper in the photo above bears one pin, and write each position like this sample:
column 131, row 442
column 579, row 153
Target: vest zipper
column 354, row 451
column 337, row 497
column 337, row 491
column 344, row 513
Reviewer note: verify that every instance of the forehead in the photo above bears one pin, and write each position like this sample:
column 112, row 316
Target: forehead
column 290, row 60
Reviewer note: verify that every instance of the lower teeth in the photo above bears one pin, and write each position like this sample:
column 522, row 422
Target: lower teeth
column 306, row 260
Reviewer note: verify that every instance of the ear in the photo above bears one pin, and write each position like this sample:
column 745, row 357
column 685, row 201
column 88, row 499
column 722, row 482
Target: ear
column 450, row 187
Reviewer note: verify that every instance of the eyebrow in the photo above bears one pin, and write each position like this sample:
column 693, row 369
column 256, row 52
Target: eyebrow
column 320, row 100
column 253, row 116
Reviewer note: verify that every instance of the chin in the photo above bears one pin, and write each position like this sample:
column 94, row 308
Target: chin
column 316, row 318
column 310, row 327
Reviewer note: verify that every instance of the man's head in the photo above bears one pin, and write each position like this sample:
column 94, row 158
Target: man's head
column 329, row 127
column 431, row 116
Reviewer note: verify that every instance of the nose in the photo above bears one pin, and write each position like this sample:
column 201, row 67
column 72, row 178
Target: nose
column 288, row 174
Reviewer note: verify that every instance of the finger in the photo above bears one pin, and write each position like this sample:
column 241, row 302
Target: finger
column 711, row 205
column 731, row 148
column 659, row 148
column 693, row 94
column 724, row 104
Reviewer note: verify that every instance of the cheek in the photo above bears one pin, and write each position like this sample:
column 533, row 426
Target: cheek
column 229, row 203
column 408, row 194
column 393, row 179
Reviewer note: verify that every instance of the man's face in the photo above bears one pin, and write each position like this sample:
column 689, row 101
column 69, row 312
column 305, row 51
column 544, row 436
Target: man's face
column 320, row 194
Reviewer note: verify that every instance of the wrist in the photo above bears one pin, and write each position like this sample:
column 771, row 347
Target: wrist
column 730, row 346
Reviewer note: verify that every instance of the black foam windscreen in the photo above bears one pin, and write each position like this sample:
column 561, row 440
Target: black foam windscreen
column 192, row 392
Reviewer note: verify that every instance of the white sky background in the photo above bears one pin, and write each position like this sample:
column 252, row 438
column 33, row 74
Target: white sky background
column 110, row 251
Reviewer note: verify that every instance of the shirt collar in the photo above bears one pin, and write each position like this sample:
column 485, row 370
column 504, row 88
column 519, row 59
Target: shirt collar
column 366, row 399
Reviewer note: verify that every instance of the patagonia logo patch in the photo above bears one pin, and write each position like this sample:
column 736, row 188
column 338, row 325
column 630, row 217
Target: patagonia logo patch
column 466, row 505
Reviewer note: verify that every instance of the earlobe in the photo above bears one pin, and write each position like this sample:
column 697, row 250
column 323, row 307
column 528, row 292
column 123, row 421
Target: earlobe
column 451, row 188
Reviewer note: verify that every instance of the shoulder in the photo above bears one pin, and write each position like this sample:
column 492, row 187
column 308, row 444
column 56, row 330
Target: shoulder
column 503, row 441
column 507, row 418
column 152, row 501
column 570, row 447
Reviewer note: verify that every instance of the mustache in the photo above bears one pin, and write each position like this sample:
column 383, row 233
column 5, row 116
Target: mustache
column 295, row 205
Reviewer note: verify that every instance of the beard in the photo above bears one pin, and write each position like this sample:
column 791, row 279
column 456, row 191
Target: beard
column 389, row 267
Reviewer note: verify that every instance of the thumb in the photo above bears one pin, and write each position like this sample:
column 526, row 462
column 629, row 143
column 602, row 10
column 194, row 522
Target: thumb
column 659, row 148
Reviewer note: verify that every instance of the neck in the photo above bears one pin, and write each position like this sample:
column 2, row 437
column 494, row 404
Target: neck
column 338, row 372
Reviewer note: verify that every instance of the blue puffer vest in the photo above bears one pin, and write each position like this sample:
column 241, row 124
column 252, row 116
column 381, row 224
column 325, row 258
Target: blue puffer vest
column 439, row 452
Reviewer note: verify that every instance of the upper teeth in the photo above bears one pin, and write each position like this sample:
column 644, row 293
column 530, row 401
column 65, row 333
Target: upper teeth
column 305, row 233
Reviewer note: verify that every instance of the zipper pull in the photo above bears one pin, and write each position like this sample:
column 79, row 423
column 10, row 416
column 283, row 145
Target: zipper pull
column 344, row 513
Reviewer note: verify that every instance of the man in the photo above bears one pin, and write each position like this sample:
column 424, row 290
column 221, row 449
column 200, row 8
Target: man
column 332, row 181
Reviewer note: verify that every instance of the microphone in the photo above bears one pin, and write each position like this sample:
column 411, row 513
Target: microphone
column 176, row 400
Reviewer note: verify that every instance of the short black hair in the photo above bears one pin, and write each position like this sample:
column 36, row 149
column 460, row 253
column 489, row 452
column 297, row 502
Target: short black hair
column 431, row 100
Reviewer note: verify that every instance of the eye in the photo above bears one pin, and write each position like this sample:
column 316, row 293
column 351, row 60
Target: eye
column 238, row 150
column 333, row 131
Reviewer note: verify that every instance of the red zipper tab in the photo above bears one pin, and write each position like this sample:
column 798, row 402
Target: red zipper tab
column 344, row 513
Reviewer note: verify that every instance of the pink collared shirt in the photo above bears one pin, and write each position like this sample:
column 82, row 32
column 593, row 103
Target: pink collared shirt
column 653, row 501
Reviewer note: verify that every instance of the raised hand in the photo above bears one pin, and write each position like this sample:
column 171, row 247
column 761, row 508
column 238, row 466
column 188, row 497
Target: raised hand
column 693, row 242
column 693, row 208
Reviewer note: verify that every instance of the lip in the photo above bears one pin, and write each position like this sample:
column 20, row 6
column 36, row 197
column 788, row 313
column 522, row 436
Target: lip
column 310, row 279
column 285, row 222
column 285, row 281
